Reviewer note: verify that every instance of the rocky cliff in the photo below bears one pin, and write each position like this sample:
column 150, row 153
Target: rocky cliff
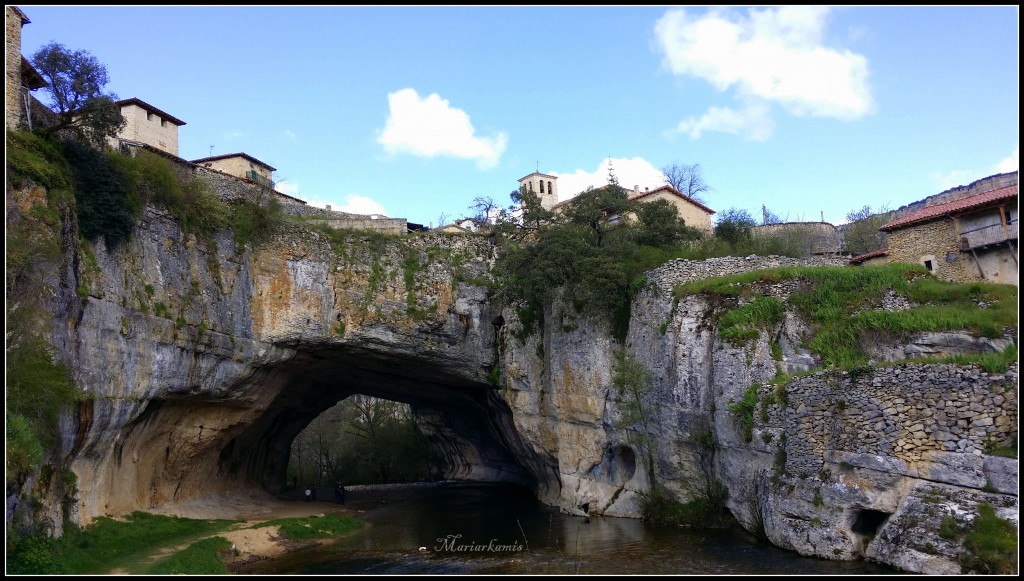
column 837, row 465
column 202, row 362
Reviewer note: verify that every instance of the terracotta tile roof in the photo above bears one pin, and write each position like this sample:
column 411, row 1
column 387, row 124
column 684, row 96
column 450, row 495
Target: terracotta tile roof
column 674, row 192
column 229, row 155
column 960, row 206
column 150, row 108
column 873, row 254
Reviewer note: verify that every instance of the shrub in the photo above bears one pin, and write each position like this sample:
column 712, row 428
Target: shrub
column 991, row 544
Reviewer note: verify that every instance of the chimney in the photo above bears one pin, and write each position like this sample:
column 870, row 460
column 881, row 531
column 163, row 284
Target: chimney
column 636, row 189
column 328, row 207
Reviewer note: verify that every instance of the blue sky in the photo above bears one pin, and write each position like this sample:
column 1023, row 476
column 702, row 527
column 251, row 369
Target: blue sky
column 415, row 111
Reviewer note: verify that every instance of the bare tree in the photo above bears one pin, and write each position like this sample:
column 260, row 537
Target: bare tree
column 486, row 210
column 686, row 179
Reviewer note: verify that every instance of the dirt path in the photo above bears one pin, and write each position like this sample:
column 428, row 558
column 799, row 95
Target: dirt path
column 251, row 508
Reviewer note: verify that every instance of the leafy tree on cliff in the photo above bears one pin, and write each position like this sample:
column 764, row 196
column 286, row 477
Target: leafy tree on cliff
column 734, row 226
column 862, row 234
column 75, row 84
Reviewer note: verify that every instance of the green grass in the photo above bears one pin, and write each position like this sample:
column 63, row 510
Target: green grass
column 313, row 527
column 107, row 544
column 842, row 304
column 741, row 324
column 744, row 408
column 200, row 558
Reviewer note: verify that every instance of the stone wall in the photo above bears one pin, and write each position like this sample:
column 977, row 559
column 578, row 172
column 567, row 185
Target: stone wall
column 907, row 412
column 817, row 237
column 937, row 242
column 344, row 220
column 14, row 111
column 682, row 270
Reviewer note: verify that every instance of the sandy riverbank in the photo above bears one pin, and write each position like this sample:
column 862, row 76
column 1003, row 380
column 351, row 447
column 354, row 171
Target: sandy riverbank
column 254, row 507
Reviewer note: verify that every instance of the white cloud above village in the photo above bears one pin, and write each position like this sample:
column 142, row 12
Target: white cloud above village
column 430, row 126
column 1010, row 162
column 753, row 122
column 232, row 135
column 961, row 177
column 290, row 135
column 630, row 172
column 289, row 188
column 770, row 56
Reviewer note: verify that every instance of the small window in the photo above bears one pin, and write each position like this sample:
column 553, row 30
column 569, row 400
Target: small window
column 542, row 186
column 149, row 116
column 163, row 123
column 550, row 191
column 928, row 265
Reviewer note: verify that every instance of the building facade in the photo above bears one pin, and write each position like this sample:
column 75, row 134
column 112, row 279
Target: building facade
column 544, row 185
column 240, row 165
column 694, row 213
column 146, row 124
column 21, row 78
column 969, row 239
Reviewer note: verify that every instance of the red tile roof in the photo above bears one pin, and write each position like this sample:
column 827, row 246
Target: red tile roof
column 960, row 206
column 674, row 192
column 873, row 254
column 150, row 108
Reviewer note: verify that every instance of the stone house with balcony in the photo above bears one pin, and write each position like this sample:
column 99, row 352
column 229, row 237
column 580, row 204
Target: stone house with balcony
column 241, row 165
column 146, row 124
column 968, row 239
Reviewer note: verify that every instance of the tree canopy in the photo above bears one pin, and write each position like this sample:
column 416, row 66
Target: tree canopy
column 862, row 235
column 75, row 85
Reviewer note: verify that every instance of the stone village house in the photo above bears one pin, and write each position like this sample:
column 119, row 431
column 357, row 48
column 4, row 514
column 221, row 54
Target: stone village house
column 694, row 213
column 970, row 239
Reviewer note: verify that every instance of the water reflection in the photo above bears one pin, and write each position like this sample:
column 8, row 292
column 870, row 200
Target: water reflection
column 498, row 529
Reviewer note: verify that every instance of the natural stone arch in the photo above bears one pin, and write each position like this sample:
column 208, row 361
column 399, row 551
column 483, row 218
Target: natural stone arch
column 191, row 445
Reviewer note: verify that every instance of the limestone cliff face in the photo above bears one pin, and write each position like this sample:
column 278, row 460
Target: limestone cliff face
column 204, row 363
column 836, row 465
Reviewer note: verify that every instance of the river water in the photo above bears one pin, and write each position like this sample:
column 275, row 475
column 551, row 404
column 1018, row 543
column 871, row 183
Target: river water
column 470, row 528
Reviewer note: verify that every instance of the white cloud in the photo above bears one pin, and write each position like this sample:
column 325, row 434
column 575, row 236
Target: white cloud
column 630, row 172
column 231, row 135
column 1011, row 163
column 286, row 187
column 963, row 177
column 354, row 204
column 430, row 127
column 754, row 122
column 774, row 55
column 290, row 135
column 952, row 179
